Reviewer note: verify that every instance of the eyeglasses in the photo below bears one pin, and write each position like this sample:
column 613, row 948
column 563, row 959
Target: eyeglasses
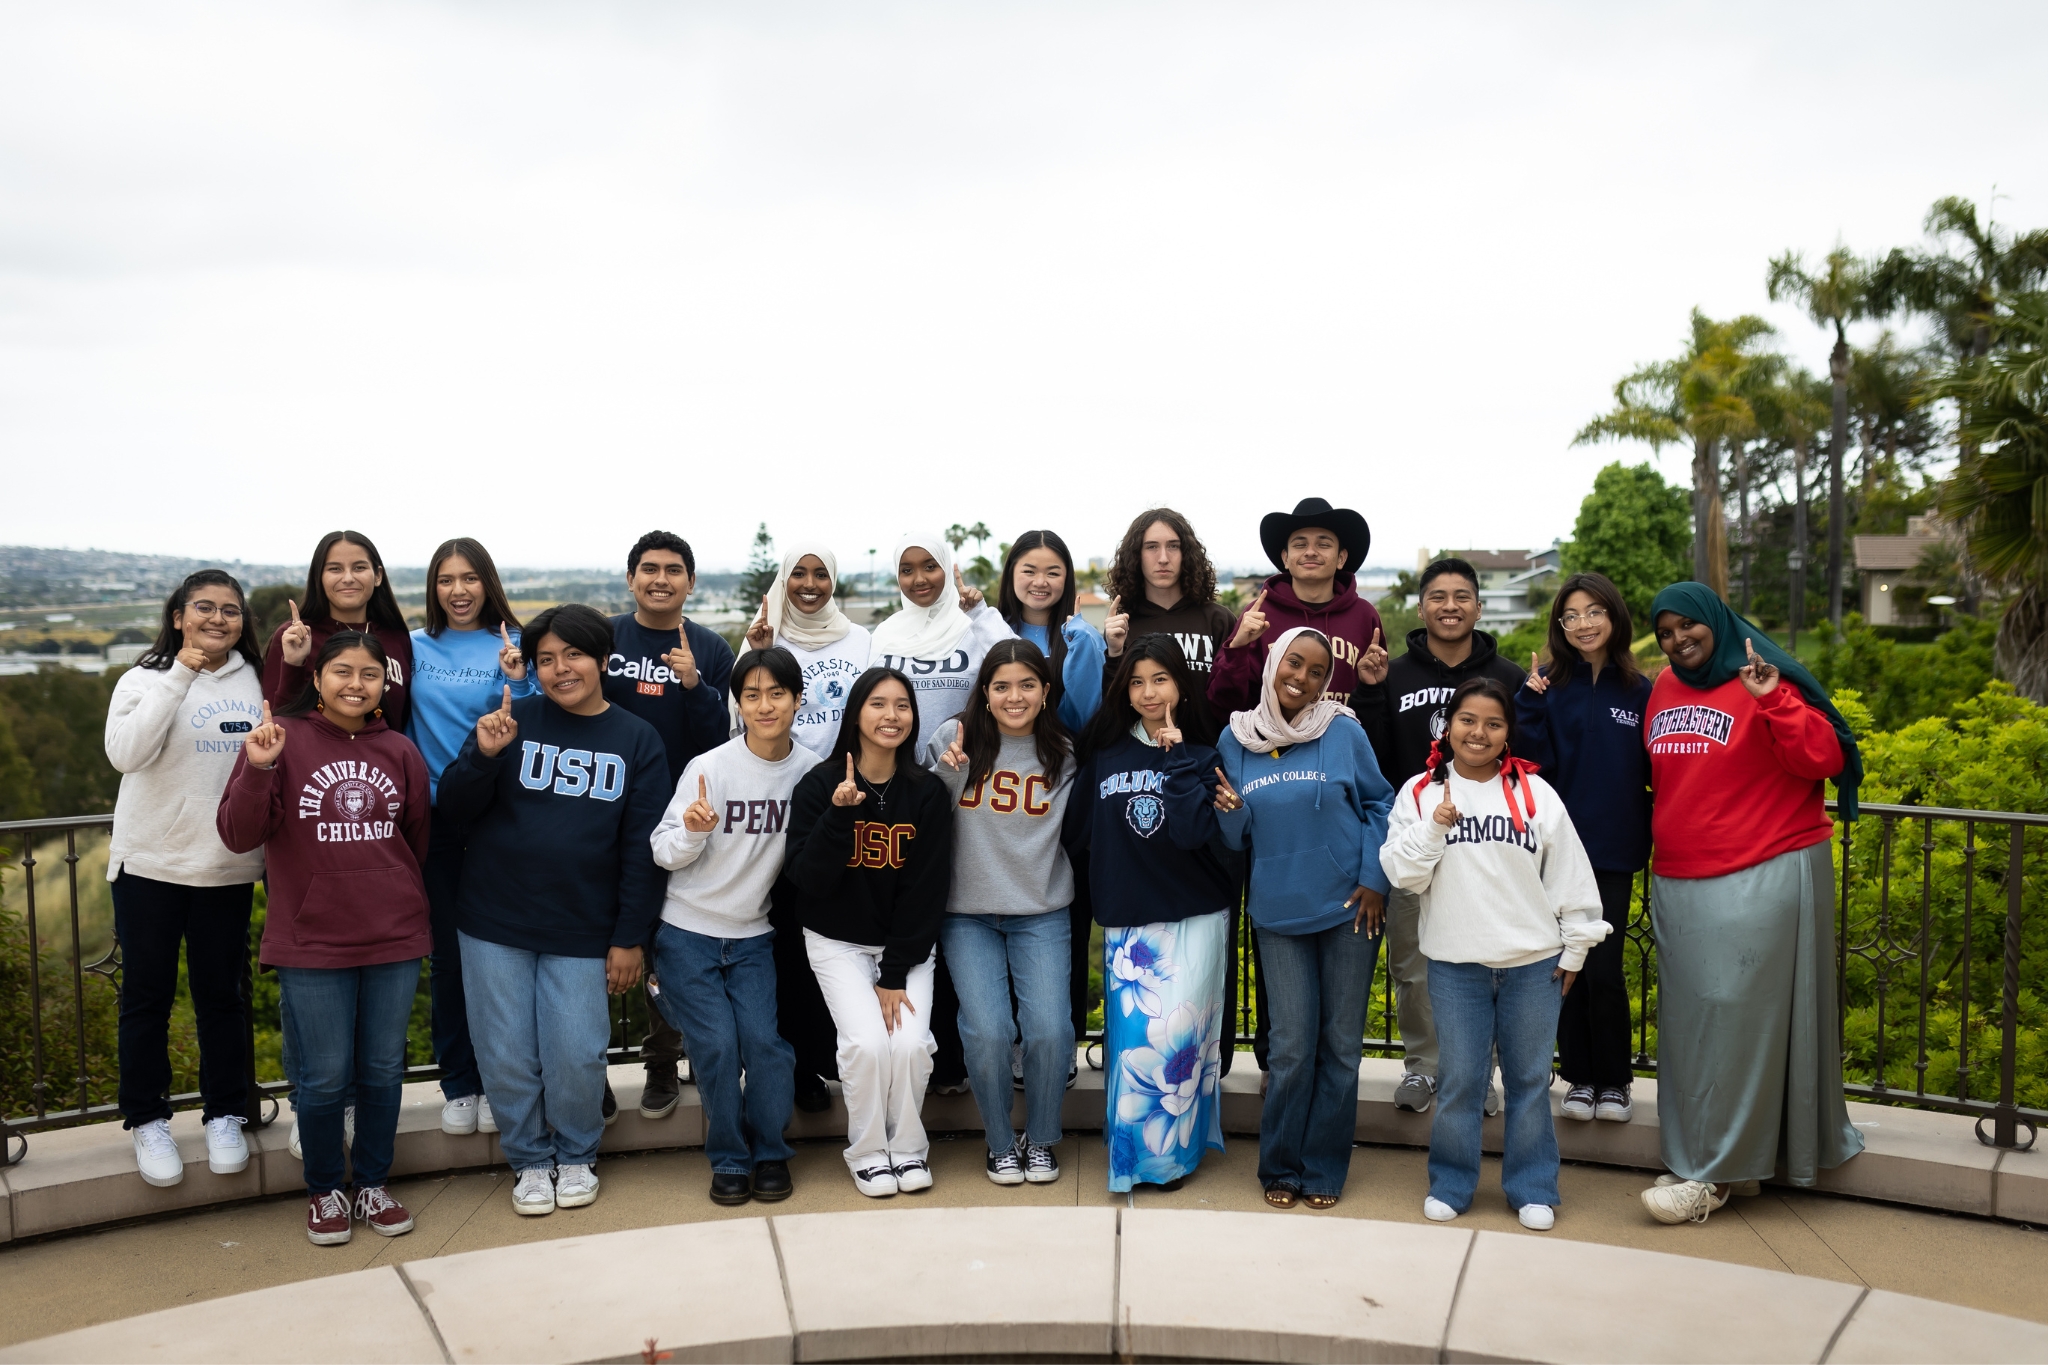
column 1593, row 616
column 206, row 609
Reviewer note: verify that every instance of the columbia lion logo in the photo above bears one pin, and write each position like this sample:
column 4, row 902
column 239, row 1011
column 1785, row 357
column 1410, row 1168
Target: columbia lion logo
column 1436, row 724
column 1146, row 814
column 355, row 799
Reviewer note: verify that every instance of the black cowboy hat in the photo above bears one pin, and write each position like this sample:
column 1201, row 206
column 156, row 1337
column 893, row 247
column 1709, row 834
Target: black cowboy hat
column 1353, row 535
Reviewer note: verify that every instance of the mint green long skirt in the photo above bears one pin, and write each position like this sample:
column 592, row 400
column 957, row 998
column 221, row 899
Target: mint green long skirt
column 1749, row 1046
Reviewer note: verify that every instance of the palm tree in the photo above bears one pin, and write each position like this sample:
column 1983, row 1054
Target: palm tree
column 1696, row 398
column 1963, row 289
column 1887, row 397
column 1791, row 412
column 956, row 536
column 1839, row 295
column 1999, row 494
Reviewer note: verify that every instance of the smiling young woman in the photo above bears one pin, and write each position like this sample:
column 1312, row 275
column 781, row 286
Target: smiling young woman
column 939, row 633
column 1037, row 602
column 345, row 590
column 801, row 614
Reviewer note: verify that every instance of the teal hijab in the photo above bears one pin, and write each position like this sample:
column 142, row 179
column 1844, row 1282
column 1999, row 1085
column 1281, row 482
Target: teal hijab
column 1700, row 603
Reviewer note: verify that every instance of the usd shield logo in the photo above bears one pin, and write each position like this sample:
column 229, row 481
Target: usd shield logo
column 1146, row 814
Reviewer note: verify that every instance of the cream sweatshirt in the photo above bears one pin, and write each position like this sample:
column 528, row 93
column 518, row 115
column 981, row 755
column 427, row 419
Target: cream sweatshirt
column 174, row 735
column 719, row 881
column 1490, row 893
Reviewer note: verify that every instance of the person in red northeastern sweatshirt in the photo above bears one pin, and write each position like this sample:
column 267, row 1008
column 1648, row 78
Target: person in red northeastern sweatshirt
column 345, row 590
column 1749, row 1055
column 338, row 801
column 1318, row 549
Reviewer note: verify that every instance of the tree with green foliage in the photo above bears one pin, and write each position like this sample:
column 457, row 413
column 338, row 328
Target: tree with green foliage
column 763, row 568
column 1636, row 529
column 58, row 717
column 20, row 797
column 1902, row 683
column 270, row 607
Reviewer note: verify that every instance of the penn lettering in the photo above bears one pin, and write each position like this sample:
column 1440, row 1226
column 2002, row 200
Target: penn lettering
column 759, row 817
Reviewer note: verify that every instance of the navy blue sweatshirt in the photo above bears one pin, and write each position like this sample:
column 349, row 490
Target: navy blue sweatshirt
column 560, row 858
column 1150, row 855
column 1588, row 738
column 689, row 720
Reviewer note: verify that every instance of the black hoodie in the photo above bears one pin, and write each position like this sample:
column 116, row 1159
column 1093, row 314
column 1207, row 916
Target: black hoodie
column 1405, row 714
column 1201, row 630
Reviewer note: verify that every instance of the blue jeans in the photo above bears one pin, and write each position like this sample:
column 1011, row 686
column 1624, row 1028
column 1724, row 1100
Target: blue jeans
column 540, row 1026
column 346, row 1028
column 1476, row 1008
column 987, row 956
column 1318, row 985
column 442, row 872
column 720, row 995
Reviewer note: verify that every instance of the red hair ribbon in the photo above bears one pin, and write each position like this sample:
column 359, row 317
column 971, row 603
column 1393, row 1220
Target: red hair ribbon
column 1514, row 772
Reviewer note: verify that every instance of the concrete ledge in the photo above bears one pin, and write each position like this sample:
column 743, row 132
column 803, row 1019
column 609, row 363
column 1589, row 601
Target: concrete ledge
column 83, row 1177
column 1059, row 1282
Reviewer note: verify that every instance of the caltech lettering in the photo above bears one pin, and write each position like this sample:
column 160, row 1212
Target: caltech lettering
column 642, row 669
column 571, row 772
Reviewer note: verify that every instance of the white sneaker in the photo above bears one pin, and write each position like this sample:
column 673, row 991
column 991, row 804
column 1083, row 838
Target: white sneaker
column 458, row 1116
column 1437, row 1211
column 1493, row 1099
column 575, row 1186
column 1537, row 1217
column 1616, row 1106
column 912, row 1174
column 534, row 1195
column 1687, row 1201
column 348, row 1133
column 298, row 1153
column 1742, row 1189
column 227, row 1151
column 877, row 1181
column 486, row 1121
column 156, row 1155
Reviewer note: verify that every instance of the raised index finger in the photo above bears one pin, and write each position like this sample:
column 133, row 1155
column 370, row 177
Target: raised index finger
column 266, row 713
column 702, row 795
column 295, row 610
column 849, row 765
column 506, row 705
column 1116, row 605
column 1261, row 600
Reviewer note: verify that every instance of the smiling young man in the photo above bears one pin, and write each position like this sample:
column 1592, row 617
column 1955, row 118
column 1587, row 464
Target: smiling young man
column 1400, row 702
column 673, row 674
column 1318, row 549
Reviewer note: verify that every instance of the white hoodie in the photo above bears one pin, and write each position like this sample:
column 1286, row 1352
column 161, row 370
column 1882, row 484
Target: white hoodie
column 174, row 735
column 1492, row 894
column 719, row 880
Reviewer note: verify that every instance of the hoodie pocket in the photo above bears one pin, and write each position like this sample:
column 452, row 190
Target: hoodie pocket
column 361, row 909
column 1297, row 886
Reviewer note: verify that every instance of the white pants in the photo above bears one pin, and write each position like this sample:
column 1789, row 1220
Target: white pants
column 883, row 1074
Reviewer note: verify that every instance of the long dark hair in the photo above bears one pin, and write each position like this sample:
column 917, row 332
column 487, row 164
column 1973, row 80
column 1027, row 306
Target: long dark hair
column 1114, row 719
column 1494, row 690
column 497, row 611
column 382, row 608
column 848, row 741
column 170, row 639
column 1012, row 609
column 979, row 734
column 1127, row 570
column 1564, row 655
column 309, row 699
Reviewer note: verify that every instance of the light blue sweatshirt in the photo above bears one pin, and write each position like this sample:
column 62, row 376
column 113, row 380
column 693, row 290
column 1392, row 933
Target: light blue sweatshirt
column 456, row 679
column 1081, row 675
column 1314, row 818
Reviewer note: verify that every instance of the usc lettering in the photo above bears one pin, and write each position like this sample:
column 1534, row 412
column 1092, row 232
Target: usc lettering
column 878, row 845
column 1006, row 791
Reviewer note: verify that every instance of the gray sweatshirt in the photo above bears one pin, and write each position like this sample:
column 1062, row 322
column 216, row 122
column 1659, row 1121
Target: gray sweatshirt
column 1007, row 858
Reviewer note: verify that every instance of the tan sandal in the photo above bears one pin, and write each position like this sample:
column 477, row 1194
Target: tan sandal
column 1282, row 1196
column 1320, row 1201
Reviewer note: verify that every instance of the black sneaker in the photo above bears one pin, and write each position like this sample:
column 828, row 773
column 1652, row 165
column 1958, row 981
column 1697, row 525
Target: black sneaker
column 729, row 1189
column 771, row 1181
column 1006, row 1168
column 664, row 1091
column 811, row 1095
column 611, row 1106
column 1041, row 1167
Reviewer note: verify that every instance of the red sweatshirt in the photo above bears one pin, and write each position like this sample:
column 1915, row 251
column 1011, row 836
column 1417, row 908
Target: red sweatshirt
column 342, row 820
column 1737, row 780
column 283, row 682
column 1348, row 619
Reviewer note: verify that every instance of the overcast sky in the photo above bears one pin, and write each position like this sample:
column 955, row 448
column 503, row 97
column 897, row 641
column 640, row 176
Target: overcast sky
column 552, row 275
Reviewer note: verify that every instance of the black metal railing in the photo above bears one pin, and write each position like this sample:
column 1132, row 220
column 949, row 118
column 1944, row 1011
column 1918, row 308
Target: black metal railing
column 1919, row 978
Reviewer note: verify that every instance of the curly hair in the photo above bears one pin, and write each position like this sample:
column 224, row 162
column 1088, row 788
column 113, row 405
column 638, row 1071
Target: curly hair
column 1127, row 572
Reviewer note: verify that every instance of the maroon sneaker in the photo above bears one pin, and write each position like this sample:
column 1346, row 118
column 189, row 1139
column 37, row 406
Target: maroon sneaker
column 383, row 1215
column 327, row 1220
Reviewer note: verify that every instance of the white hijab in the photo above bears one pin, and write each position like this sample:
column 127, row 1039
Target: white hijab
column 789, row 622
column 930, row 632
column 1265, row 727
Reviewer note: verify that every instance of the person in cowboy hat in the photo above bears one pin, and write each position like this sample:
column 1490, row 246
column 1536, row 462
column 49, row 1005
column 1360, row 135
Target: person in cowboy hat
column 1318, row 549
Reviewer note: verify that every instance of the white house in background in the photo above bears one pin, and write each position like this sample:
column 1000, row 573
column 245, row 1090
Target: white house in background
column 1886, row 563
column 1514, row 585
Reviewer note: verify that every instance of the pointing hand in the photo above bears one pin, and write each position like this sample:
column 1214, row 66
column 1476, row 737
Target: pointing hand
column 761, row 635
column 970, row 598
column 700, row 818
column 1252, row 624
column 297, row 640
column 1116, row 627
column 510, row 661
column 1372, row 665
column 265, row 742
column 848, row 793
column 1759, row 678
column 1537, row 682
column 496, row 729
column 680, row 660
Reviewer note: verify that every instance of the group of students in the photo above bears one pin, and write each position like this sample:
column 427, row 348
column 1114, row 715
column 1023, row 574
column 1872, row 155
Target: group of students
column 876, row 856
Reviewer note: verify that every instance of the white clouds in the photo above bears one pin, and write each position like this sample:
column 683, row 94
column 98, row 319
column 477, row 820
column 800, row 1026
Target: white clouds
column 551, row 274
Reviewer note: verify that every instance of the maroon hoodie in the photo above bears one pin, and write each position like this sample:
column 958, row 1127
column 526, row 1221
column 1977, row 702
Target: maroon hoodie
column 283, row 682
column 342, row 820
column 1348, row 619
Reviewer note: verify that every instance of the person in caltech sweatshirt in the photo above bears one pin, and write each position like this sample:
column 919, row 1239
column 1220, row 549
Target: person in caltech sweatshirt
column 1509, row 910
column 561, row 793
column 337, row 801
column 174, row 727
column 1299, row 786
column 869, row 855
column 721, row 841
column 1580, row 719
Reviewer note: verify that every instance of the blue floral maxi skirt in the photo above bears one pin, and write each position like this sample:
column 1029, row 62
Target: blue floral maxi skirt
column 1162, row 1025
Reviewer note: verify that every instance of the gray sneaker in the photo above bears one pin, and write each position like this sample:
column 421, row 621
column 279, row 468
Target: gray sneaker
column 1415, row 1093
column 1494, row 1099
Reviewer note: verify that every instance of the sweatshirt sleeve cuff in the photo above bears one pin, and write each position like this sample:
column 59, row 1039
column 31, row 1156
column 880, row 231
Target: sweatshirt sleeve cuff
column 1572, row 959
